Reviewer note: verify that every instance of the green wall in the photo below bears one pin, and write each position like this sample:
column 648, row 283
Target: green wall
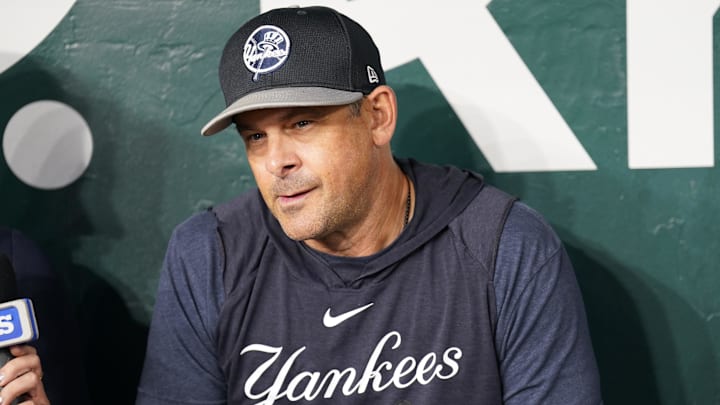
column 645, row 243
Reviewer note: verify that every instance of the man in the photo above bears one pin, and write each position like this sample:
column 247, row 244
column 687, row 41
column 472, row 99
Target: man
column 349, row 276
column 21, row 372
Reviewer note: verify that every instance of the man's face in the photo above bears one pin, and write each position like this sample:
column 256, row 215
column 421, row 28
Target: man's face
column 314, row 166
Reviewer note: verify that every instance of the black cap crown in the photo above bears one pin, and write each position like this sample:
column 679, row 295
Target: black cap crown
column 296, row 57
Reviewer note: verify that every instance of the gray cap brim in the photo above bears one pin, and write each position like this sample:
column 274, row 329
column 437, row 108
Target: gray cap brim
column 278, row 98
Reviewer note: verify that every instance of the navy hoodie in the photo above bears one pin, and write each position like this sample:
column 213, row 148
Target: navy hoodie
column 246, row 315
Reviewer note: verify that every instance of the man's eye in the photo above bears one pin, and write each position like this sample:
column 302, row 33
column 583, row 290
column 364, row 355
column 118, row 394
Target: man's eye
column 254, row 137
column 302, row 124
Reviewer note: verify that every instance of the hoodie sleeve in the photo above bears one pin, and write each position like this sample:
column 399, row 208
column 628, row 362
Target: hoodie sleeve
column 180, row 364
column 542, row 338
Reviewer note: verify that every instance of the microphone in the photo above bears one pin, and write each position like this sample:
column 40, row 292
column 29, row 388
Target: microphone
column 17, row 316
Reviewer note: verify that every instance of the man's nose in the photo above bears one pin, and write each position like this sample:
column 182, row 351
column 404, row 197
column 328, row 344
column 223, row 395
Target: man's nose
column 282, row 158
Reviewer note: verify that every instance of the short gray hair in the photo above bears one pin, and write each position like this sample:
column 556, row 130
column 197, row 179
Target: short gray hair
column 356, row 107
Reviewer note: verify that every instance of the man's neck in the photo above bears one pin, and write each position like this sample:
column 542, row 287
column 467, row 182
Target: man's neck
column 382, row 224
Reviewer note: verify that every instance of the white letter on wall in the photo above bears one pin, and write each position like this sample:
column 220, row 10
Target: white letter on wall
column 670, row 83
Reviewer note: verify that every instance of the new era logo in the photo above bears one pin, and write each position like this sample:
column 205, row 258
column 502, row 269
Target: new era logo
column 372, row 75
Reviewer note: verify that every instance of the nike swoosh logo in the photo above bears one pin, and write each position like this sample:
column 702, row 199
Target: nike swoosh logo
column 331, row 321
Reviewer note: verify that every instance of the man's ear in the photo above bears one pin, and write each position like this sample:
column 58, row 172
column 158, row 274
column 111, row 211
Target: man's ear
column 381, row 104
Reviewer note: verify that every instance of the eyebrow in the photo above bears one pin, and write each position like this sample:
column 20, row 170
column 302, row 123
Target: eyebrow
column 241, row 127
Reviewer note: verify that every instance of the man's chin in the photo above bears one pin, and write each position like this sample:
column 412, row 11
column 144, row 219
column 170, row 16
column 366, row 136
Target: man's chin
column 297, row 232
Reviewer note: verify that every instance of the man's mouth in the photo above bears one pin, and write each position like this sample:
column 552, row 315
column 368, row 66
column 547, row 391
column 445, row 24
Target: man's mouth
column 294, row 196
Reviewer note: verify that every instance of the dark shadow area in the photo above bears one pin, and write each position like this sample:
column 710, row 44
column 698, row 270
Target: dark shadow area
column 115, row 344
column 644, row 335
column 103, row 361
column 620, row 340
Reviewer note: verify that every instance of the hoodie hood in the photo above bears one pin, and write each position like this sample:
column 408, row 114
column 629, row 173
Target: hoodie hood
column 441, row 194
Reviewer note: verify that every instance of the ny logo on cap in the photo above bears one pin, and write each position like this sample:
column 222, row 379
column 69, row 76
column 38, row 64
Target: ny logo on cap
column 266, row 49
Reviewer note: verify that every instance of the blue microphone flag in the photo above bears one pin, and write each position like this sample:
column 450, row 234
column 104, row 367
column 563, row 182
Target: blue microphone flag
column 17, row 322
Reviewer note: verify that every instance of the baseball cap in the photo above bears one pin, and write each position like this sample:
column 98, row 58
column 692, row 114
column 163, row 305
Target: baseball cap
column 296, row 57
